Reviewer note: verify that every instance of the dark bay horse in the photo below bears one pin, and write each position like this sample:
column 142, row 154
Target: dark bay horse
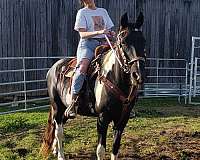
column 121, row 73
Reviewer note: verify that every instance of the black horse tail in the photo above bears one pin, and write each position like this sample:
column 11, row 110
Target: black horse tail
column 49, row 134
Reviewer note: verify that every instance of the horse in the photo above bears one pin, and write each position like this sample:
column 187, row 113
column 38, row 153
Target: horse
column 121, row 73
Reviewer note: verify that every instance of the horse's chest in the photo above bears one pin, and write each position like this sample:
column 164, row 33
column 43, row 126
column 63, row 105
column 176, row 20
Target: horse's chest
column 100, row 94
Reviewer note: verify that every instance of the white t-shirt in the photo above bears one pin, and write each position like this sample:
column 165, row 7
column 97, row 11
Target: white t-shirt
column 93, row 20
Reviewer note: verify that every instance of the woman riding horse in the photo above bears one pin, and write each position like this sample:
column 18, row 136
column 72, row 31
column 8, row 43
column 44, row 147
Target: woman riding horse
column 122, row 71
column 91, row 23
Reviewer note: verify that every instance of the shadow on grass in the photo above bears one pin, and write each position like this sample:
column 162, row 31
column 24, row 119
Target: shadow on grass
column 165, row 107
column 156, row 107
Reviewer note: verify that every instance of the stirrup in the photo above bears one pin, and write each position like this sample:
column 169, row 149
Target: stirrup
column 71, row 115
column 71, row 111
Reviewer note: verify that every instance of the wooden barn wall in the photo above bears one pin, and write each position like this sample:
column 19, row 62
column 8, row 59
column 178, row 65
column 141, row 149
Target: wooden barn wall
column 35, row 28
column 169, row 26
column 45, row 27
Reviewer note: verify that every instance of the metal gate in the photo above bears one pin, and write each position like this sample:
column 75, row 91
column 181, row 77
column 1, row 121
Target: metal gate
column 194, row 94
column 194, row 87
column 20, row 92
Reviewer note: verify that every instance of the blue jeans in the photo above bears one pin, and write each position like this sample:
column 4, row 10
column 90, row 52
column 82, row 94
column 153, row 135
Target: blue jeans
column 86, row 49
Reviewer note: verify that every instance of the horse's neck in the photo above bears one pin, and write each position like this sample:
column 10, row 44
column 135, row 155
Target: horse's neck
column 111, row 69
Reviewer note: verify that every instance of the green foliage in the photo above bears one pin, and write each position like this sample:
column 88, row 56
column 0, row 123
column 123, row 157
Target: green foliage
column 162, row 129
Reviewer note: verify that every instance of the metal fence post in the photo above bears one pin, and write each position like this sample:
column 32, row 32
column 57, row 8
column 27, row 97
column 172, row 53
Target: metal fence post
column 195, row 77
column 186, row 81
column 157, row 74
column 191, row 70
column 24, row 75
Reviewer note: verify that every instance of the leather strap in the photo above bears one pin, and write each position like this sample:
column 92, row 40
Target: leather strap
column 113, row 88
column 126, row 102
column 117, row 92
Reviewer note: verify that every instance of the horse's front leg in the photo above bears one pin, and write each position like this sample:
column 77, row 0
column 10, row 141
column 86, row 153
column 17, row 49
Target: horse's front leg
column 102, row 127
column 118, row 130
column 59, row 138
column 116, row 144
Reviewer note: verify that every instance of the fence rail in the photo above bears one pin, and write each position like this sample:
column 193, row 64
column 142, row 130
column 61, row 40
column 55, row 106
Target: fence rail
column 22, row 98
column 161, row 82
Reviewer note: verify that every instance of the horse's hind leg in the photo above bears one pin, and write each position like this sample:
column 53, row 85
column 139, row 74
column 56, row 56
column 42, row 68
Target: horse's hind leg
column 102, row 127
column 59, row 136
column 55, row 147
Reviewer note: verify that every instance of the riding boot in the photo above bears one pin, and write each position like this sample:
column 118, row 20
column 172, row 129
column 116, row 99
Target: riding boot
column 71, row 111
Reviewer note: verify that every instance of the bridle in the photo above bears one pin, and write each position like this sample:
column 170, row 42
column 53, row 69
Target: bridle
column 126, row 65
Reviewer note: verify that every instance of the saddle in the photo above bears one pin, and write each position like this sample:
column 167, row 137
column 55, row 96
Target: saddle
column 70, row 68
column 87, row 97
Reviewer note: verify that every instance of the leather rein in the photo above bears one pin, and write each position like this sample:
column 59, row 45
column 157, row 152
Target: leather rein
column 125, row 65
column 129, row 100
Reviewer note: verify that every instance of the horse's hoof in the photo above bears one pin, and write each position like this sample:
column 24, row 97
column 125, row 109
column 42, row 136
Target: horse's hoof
column 114, row 157
column 61, row 158
column 55, row 153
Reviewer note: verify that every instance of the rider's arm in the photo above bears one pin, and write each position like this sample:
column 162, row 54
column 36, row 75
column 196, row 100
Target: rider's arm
column 85, row 34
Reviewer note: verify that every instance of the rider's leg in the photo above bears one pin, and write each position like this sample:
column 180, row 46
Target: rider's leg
column 85, row 53
column 77, row 83
column 80, row 75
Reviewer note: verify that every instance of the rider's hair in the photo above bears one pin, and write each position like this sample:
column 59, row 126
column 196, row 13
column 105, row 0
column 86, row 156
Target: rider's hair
column 81, row 3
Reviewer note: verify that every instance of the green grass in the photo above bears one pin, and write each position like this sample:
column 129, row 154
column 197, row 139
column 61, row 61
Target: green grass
column 162, row 129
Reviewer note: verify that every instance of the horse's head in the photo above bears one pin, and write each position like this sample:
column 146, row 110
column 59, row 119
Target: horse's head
column 132, row 47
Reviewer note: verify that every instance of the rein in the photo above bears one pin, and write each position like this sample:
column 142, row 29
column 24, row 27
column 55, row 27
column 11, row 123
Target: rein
column 126, row 101
column 131, row 98
column 124, row 65
column 109, row 85
column 120, row 63
column 117, row 92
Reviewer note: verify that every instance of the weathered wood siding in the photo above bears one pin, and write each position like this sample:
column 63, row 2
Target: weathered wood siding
column 169, row 26
column 45, row 27
column 35, row 28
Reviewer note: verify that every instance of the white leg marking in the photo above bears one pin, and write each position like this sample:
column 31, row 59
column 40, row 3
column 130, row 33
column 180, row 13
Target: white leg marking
column 59, row 136
column 114, row 157
column 100, row 152
column 54, row 147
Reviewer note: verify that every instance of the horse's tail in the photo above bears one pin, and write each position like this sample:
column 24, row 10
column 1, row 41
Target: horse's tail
column 49, row 134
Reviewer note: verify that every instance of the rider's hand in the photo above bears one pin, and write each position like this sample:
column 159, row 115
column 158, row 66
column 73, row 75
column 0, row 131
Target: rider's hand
column 112, row 33
column 104, row 31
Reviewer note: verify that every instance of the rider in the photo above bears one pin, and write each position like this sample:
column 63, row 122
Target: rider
column 93, row 24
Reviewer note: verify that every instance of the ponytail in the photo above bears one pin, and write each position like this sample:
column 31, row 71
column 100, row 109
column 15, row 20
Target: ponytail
column 81, row 3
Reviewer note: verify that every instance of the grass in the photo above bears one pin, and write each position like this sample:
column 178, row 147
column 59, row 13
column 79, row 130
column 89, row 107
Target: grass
column 162, row 129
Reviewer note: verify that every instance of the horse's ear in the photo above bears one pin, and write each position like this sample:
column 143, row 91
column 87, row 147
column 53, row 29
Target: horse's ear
column 139, row 21
column 124, row 20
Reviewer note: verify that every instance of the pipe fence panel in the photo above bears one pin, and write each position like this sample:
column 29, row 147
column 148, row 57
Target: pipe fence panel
column 195, row 88
column 166, row 81
column 29, row 90
column 194, row 85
